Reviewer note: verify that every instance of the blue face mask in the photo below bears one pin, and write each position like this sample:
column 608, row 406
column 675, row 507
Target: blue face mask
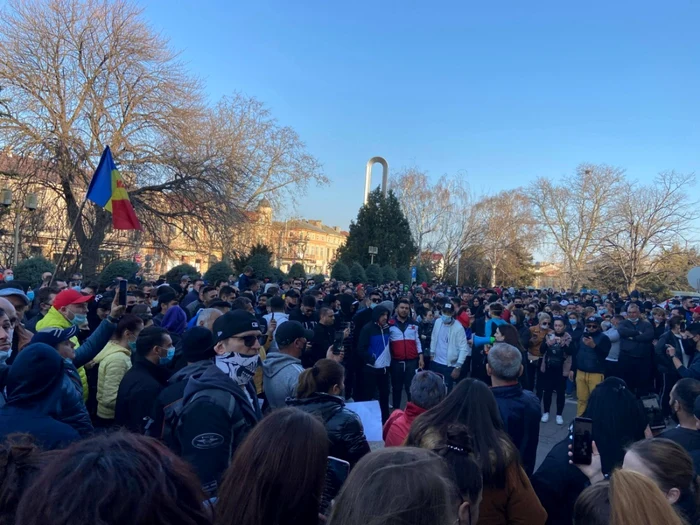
column 513, row 320
column 30, row 294
column 132, row 346
column 9, row 278
column 169, row 357
column 573, row 322
column 79, row 319
column 77, row 288
column 154, row 303
column 446, row 319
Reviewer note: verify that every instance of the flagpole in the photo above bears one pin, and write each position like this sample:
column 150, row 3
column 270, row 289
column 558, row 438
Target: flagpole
column 70, row 238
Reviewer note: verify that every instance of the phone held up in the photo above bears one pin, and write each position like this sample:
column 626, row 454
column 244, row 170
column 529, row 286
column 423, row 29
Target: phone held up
column 122, row 292
column 337, row 471
column 583, row 441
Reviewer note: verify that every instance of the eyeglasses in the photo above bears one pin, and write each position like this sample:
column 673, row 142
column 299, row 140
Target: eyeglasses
column 248, row 340
column 591, row 326
column 376, row 300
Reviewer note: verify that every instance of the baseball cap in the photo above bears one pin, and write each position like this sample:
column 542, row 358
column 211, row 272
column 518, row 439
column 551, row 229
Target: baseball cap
column 595, row 319
column 4, row 292
column 53, row 336
column 448, row 307
column 289, row 331
column 234, row 323
column 70, row 296
column 696, row 310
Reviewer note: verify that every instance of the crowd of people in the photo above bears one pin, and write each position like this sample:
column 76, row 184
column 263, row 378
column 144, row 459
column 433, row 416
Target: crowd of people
column 221, row 403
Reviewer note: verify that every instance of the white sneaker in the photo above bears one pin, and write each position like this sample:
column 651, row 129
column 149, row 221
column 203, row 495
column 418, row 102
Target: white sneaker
column 560, row 420
column 545, row 417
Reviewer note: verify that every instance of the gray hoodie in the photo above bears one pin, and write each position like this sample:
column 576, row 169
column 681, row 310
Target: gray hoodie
column 280, row 378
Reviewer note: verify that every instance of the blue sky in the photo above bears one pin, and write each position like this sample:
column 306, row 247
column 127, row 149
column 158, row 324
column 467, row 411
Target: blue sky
column 501, row 91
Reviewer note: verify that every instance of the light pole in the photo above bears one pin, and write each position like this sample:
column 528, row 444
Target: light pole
column 30, row 203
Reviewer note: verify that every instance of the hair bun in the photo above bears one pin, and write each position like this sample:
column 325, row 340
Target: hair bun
column 457, row 438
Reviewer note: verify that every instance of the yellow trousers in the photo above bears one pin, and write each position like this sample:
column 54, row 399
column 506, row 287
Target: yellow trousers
column 585, row 383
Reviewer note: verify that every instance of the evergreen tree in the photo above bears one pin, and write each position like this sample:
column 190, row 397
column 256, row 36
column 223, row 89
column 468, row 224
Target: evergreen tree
column 380, row 223
column 218, row 272
column 297, row 271
column 357, row 273
column 403, row 274
column 340, row 272
column 389, row 274
column 374, row 274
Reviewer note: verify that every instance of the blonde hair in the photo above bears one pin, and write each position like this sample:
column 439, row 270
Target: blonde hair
column 544, row 316
column 658, row 311
column 636, row 500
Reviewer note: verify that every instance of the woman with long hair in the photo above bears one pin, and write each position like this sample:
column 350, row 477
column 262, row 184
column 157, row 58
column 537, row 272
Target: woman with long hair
column 320, row 392
column 669, row 466
column 618, row 420
column 508, row 496
column 556, row 351
column 277, row 473
column 398, row 486
column 114, row 479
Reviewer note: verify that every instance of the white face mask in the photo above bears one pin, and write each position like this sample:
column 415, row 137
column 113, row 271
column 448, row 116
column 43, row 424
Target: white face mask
column 240, row 368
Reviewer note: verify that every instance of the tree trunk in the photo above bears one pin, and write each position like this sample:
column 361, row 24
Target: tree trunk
column 493, row 276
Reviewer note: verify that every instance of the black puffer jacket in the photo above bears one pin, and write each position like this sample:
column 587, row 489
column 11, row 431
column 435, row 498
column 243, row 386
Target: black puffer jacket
column 345, row 432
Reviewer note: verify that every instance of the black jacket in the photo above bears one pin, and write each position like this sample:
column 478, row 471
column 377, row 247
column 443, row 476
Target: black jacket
column 137, row 393
column 174, row 391
column 558, row 484
column 308, row 322
column 323, row 338
column 635, row 339
column 345, row 432
column 521, row 412
column 208, row 437
column 664, row 363
column 592, row 360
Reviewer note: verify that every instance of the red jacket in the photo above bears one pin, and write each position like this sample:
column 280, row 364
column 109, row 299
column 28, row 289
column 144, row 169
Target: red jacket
column 404, row 339
column 399, row 424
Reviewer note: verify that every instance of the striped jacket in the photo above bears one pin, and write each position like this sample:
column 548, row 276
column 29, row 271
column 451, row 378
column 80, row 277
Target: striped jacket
column 404, row 339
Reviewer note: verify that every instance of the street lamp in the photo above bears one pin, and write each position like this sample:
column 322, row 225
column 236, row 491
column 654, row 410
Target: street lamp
column 30, row 203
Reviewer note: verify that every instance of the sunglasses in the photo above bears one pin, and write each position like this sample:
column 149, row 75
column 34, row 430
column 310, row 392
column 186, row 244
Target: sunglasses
column 592, row 326
column 545, row 324
column 248, row 340
column 376, row 301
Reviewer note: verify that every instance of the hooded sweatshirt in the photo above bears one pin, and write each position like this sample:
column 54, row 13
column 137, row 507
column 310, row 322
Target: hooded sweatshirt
column 34, row 387
column 115, row 362
column 373, row 345
column 281, row 378
column 207, row 436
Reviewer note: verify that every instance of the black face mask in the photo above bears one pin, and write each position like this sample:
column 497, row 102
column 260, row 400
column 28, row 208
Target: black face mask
column 674, row 416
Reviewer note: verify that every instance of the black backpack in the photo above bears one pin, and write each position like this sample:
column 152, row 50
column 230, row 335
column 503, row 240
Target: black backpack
column 175, row 414
column 555, row 356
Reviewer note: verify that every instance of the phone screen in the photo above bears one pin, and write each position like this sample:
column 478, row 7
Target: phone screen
column 583, row 441
column 122, row 293
column 338, row 342
column 651, row 402
column 337, row 472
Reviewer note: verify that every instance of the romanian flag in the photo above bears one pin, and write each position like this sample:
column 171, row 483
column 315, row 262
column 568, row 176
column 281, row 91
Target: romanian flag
column 107, row 190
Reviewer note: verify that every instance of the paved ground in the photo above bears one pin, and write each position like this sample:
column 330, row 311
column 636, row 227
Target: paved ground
column 550, row 432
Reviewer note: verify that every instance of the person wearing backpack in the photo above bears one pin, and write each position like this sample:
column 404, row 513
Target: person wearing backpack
column 220, row 406
column 198, row 352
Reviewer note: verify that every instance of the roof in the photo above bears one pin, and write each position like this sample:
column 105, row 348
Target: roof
column 302, row 224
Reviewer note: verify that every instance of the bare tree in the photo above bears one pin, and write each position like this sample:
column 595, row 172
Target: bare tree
column 646, row 222
column 506, row 225
column 425, row 204
column 574, row 212
column 82, row 74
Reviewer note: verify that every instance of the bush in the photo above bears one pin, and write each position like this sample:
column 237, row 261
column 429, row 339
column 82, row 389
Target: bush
column 297, row 271
column 357, row 273
column 118, row 268
column 404, row 275
column 423, row 275
column 276, row 275
column 374, row 274
column 260, row 265
column 340, row 272
column 318, row 278
column 30, row 270
column 174, row 275
column 389, row 274
column 218, row 272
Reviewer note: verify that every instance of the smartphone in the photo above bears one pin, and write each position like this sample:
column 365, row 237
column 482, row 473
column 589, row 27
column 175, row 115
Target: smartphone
column 337, row 472
column 651, row 402
column 583, row 441
column 122, row 292
column 338, row 342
